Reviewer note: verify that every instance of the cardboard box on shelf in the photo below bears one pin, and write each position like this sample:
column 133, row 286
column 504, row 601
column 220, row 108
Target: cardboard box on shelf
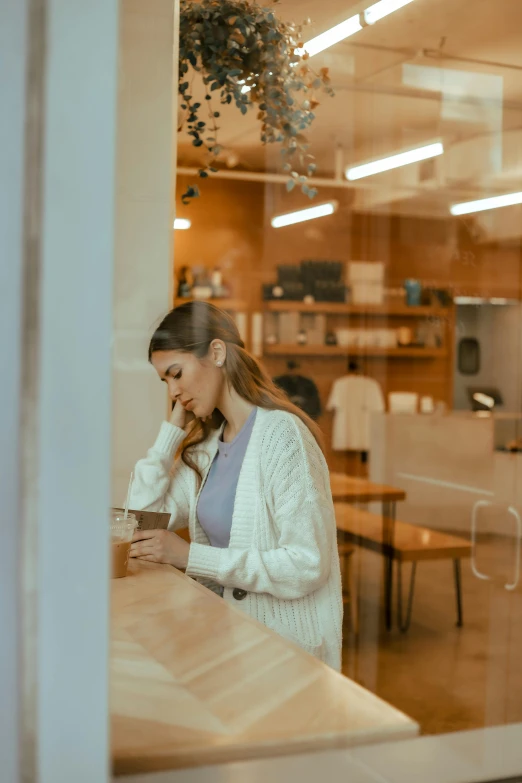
column 288, row 327
column 366, row 281
column 365, row 271
column 315, row 327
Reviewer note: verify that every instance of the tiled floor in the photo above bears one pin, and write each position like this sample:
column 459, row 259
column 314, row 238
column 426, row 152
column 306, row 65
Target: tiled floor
column 446, row 678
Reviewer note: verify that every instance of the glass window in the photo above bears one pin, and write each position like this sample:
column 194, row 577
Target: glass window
column 394, row 319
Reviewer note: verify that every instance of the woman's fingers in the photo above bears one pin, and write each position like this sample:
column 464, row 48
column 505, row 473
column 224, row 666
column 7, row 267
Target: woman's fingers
column 178, row 417
column 142, row 535
column 141, row 548
column 162, row 546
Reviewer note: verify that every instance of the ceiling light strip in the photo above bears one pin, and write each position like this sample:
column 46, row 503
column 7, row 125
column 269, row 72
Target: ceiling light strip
column 351, row 26
column 482, row 204
column 332, row 36
column 381, row 9
column 181, row 224
column 311, row 213
column 395, row 161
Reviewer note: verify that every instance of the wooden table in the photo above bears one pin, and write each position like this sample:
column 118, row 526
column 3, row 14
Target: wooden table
column 194, row 682
column 353, row 489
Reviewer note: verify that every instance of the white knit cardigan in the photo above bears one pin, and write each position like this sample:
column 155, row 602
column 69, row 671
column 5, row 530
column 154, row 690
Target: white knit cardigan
column 282, row 549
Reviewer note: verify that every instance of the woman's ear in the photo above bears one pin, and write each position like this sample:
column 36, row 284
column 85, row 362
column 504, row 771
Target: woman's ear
column 218, row 352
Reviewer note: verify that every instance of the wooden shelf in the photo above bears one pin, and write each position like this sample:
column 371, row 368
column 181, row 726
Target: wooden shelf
column 225, row 304
column 327, row 351
column 340, row 308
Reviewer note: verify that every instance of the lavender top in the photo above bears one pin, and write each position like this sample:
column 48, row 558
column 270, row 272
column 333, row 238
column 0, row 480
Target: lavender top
column 216, row 501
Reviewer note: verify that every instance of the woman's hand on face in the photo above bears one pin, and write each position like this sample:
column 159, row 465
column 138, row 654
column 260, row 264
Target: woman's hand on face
column 179, row 416
column 160, row 546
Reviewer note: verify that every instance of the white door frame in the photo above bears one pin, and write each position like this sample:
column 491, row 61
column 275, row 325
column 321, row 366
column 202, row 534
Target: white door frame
column 58, row 79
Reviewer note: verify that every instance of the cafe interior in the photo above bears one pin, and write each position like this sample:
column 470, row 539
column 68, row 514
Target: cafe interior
column 388, row 306
column 392, row 314
column 369, row 251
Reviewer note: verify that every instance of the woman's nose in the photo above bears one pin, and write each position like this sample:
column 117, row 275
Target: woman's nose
column 174, row 390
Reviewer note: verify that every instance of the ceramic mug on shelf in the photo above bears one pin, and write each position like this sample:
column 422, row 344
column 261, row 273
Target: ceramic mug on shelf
column 404, row 335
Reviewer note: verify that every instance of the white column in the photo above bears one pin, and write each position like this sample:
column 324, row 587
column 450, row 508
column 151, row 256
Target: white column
column 75, row 384
column 147, row 102
column 13, row 45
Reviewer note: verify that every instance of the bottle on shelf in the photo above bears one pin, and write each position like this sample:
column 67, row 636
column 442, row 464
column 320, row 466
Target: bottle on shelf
column 185, row 282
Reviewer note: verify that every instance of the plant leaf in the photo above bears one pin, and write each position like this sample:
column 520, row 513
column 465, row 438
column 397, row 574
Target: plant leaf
column 231, row 40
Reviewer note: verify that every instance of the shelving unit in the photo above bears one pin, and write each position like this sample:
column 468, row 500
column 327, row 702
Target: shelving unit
column 361, row 315
column 340, row 308
column 235, row 305
column 329, row 351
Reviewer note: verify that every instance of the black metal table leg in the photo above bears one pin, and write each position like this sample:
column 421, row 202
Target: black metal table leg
column 403, row 626
column 458, row 592
column 388, row 524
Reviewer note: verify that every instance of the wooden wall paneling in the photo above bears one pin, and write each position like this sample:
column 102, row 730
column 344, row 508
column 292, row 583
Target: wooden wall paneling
column 231, row 228
column 227, row 231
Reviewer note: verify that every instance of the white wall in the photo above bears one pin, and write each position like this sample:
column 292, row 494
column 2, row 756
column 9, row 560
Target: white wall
column 507, row 355
column 144, row 217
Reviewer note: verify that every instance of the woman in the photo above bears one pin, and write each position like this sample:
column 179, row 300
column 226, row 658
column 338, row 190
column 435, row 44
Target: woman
column 251, row 484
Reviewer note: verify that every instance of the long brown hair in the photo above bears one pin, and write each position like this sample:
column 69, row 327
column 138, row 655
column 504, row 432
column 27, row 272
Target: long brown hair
column 191, row 328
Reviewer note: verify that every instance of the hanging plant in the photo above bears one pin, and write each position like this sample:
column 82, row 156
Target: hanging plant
column 249, row 57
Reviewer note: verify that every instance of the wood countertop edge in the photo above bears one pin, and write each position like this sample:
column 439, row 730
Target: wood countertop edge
column 243, row 751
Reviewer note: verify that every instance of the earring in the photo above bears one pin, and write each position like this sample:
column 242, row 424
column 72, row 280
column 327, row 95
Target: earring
column 219, row 364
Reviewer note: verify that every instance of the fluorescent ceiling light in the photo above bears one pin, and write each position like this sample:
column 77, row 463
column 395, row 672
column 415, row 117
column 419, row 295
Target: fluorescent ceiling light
column 395, row 161
column 383, row 8
column 181, row 224
column 332, row 36
column 486, row 203
column 321, row 210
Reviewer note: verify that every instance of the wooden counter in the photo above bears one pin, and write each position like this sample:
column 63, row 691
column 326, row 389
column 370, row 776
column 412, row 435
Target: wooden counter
column 194, row 681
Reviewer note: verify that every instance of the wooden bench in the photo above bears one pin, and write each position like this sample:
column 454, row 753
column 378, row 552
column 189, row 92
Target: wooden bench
column 402, row 542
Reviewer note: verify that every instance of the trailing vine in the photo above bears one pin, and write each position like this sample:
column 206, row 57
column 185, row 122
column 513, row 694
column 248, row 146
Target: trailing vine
column 249, row 57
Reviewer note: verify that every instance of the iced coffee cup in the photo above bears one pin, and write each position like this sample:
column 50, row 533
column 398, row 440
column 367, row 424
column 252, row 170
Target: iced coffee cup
column 122, row 530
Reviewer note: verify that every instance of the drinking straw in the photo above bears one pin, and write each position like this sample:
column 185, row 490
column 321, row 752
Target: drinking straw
column 126, row 512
